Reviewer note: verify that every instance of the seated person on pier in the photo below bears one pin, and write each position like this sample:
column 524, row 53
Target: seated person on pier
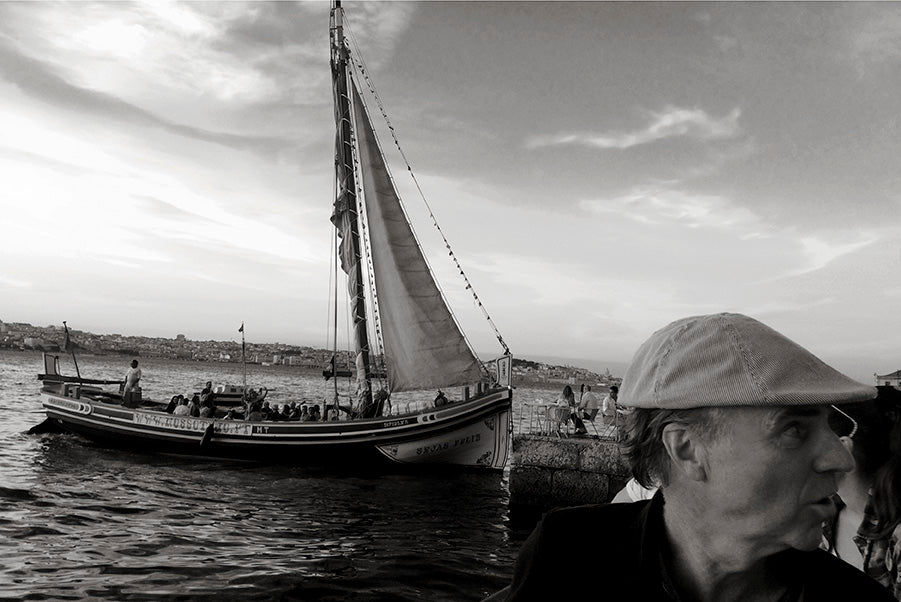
column 608, row 406
column 589, row 404
column 731, row 421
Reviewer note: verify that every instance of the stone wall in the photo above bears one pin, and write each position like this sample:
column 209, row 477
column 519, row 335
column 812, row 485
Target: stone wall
column 552, row 471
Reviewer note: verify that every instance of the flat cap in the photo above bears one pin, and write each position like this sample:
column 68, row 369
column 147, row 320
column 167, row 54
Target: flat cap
column 731, row 360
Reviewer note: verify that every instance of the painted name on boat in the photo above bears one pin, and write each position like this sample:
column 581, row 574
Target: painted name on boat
column 72, row 406
column 445, row 445
column 227, row 427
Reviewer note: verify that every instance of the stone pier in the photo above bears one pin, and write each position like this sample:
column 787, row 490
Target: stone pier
column 553, row 471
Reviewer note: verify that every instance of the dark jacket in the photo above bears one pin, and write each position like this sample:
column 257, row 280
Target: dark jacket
column 621, row 547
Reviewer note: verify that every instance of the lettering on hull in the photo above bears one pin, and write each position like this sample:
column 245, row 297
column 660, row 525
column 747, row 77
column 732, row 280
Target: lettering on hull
column 446, row 445
column 69, row 405
column 186, row 423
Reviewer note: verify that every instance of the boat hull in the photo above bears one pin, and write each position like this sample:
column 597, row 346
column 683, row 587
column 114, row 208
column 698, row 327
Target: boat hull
column 466, row 433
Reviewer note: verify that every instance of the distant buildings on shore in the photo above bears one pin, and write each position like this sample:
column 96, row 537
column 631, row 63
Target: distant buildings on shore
column 892, row 379
column 24, row 337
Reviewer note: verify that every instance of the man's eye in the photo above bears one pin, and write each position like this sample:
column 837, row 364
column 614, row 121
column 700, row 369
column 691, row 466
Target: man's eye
column 795, row 432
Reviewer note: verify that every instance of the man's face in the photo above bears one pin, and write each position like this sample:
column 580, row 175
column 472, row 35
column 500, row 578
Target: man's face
column 771, row 472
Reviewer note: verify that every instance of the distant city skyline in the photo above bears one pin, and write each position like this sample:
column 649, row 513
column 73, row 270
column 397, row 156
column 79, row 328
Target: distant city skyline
column 600, row 169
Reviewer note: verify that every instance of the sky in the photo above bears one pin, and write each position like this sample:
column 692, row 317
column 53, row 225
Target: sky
column 599, row 169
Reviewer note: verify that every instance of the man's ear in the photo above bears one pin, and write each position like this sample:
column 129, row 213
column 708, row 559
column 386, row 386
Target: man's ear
column 686, row 450
column 848, row 443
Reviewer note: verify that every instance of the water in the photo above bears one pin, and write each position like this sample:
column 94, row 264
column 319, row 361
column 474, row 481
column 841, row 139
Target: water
column 78, row 521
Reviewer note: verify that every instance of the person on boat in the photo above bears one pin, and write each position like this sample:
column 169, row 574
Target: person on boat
column 305, row 414
column 230, row 414
column 255, row 414
column 266, row 410
column 866, row 532
column 295, row 411
column 182, row 409
column 132, row 377
column 195, row 406
column 173, row 403
column 207, row 391
column 315, row 413
column 441, row 399
column 207, row 409
column 730, row 420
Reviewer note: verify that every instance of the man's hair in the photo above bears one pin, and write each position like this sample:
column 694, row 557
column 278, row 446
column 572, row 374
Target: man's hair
column 641, row 439
column 877, row 451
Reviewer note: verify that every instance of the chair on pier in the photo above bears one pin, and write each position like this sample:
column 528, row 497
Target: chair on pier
column 589, row 418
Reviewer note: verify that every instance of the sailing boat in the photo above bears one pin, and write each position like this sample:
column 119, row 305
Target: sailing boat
column 420, row 344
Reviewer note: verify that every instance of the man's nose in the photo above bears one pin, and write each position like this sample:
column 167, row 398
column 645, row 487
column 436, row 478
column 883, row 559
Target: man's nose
column 833, row 456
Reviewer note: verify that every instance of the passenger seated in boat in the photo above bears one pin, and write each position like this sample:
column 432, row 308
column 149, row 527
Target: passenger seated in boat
column 305, row 415
column 173, row 403
column 441, row 399
column 286, row 412
column 182, row 409
column 229, row 415
column 295, row 411
column 207, row 409
column 332, row 414
column 195, row 406
column 315, row 413
column 376, row 407
column 255, row 414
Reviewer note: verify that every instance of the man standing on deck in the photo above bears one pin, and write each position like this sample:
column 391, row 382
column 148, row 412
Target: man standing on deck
column 729, row 419
column 132, row 377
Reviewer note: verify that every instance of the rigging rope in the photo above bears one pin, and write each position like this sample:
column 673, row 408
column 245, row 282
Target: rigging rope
column 360, row 67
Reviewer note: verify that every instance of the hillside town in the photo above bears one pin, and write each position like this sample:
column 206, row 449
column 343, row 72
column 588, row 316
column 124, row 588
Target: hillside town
column 18, row 336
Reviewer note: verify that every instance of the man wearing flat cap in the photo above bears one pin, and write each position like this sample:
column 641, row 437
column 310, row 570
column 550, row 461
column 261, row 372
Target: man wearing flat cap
column 729, row 420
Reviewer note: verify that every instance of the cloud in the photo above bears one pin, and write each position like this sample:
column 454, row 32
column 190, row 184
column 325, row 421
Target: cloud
column 654, row 205
column 39, row 80
column 878, row 39
column 13, row 282
column 820, row 252
column 672, row 122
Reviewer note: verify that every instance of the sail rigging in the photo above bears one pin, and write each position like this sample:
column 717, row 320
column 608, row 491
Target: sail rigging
column 345, row 215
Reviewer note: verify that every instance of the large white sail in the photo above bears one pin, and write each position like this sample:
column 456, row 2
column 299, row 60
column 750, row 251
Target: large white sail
column 424, row 347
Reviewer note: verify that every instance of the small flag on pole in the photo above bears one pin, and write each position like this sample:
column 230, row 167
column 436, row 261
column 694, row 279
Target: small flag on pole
column 67, row 343
column 242, row 327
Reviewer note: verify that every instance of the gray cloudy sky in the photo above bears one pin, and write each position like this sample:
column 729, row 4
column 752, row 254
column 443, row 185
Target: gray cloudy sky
column 600, row 168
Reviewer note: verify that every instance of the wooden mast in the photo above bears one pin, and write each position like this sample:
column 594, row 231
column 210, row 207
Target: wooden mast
column 346, row 203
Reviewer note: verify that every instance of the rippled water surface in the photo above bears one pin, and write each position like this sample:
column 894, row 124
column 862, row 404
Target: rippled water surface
column 78, row 521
